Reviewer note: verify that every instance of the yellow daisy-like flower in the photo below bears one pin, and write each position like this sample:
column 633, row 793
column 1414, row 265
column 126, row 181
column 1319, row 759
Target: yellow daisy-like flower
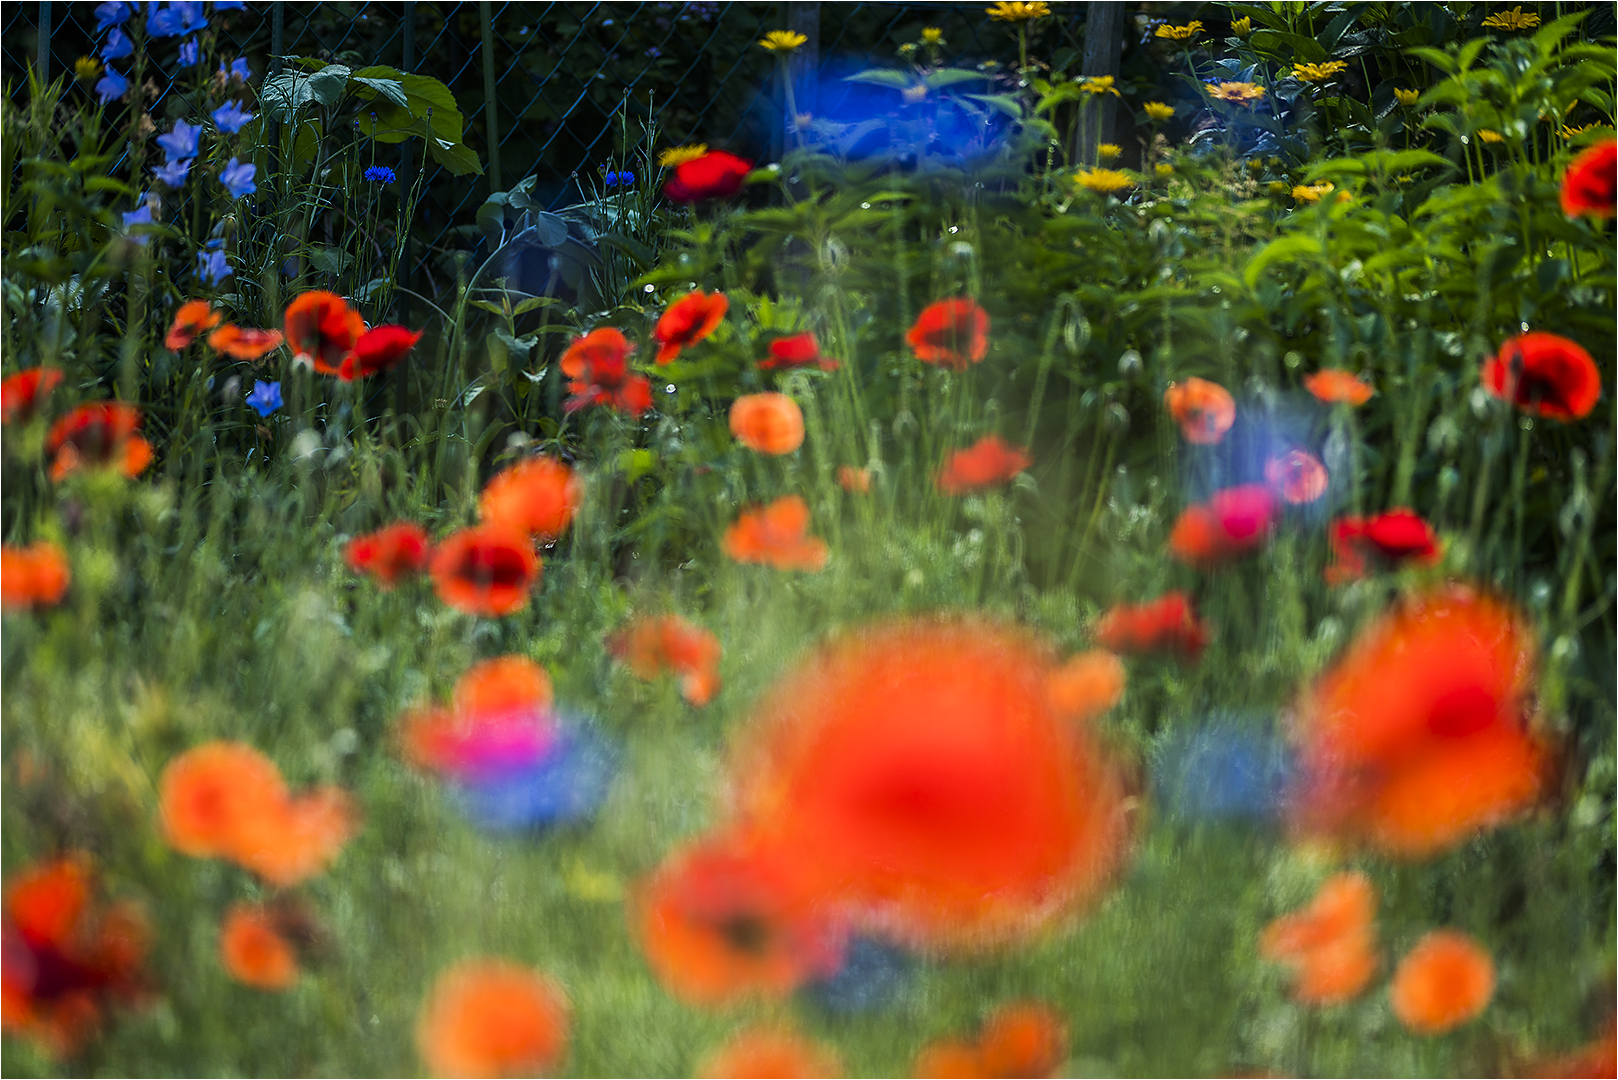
column 782, row 40
column 1317, row 72
column 679, row 155
column 1099, row 84
column 1406, row 98
column 1163, row 169
column 1237, row 93
column 1013, row 11
column 1157, row 110
column 1276, row 187
column 1180, row 33
column 1312, row 193
column 1103, row 181
column 914, row 95
column 932, row 35
column 1108, row 151
column 1515, row 19
column 1242, row 26
column 1490, row 136
column 86, row 68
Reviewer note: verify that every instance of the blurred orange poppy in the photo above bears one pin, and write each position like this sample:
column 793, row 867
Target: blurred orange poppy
column 854, row 481
column 1204, row 410
column 22, row 394
column 798, row 350
column 1023, row 1039
column 1446, row 980
column 1338, row 387
column 36, row 576
column 322, row 330
column 501, row 684
column 687, row 321
column 537, row 496
column 1544, row 375
column 988, row 462
column 767, row 423
column 953, row 333
column 488, row 570
column 661, row 643
column 300, row 839
column 770, row 1052
column 98, row 435
column 191, row 319
column 253, row 950
column 1331, row 944
column 390, row 553
column 492, row 1017
column 1165, row 624
column 1232, row 523
column 776, row 535
column 377, row 350
column 1388, row 539
column 244, row 344
column 1590, row 185
column 598, row 366
column 1087, row 684
column 1298, row 476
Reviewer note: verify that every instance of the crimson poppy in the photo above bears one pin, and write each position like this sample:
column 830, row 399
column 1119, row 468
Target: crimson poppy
column 953, row 333
column 390, row 553
column 687, row 321
column 988, row 462
column 1165, row 624
column 598, row 365
column 190, row 320
column 776, row 535
column 22, row 394
column 1233, row 522
column 714, row 175
column 1590, row 185
column 538, row 496
column 1204, row 410
column 244, row 343
column 799, row 350
column 1389, row 538
column 101, row 434
column 488, row 570
column 1546, row 375
column 322, row 330
column 378, row 349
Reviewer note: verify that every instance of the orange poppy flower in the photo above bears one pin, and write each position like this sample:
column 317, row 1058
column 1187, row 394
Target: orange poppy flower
column 1023, row 1039
column 191, row 319
column 954, row 333
column 1446, row 980
column 1417, row 737
column 1298, row 476
column 1387, row 539
column 598, row 365
column 687, row 321
column 33, row 577
column 491, row 1017
column 921, row 770
column 1338, row 387
column 854, row 481
column 502, row 684
column 1590, row 185
column 669, row 643
column 1087, row 685
column 1599, row 1057
column 377, row 350
column 1165, row 624
column 322, row 330
column 537, row 496
column 101, row 434
column 1234, row 522
column 988, row 462
column 254, row 952
column 1331, row 944
column 714, row 175
column 770, row 1052
column 244, row 344
column 1204, row 410
column 799, row 350
column 1544, row 375
column 298, row 840
column 767, row 423
column 501, row 709
column 390, row 553
column 729, row 918
column 22, row 394
column 776, row 535
column 488, row 570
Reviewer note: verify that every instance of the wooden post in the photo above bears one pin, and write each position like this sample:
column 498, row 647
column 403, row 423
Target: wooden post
column 1103, row 42
column 490, row 120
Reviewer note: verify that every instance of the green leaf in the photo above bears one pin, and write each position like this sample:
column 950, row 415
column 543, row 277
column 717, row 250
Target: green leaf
column 391, row 89
column 287, row 93
column 1282, row 249
column 1002, row 103
column 950, row 76
column 881, row 77
column 459, row 159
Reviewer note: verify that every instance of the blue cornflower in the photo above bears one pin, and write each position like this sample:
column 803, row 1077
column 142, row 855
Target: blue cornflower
column 164, row 22
column 213, row 267
column 111, row 87
column 118, row 46
column 237, row 70
column 616, row 178
column 380, row 174
column 568, row 782
column 238, row 178
column 231, row 117
column 181, row 140
column 191, row 12
column 141, row 216
column 190, row 53
column 173, row 173
column 112, row 13
column 266, row 396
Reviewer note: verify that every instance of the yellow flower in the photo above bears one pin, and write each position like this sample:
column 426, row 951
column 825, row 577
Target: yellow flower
column 1107, row 151
column 1013, row 11
column 1490, row 136
column 1311, row 193
column 914, row 95
column 1276, row 187
column 1574, row 132
column 1180, row 33
column 1242, row 26
column 1515, row 19
column 86, row 68
column 679, row 155
column 1317, row 72
column 1157, row 110
column 782, row 40
column 1237, row 93
column 1099, row 84
column 1406, row 98
column 1103, row 181
column 1164, row 169
column 932, row 35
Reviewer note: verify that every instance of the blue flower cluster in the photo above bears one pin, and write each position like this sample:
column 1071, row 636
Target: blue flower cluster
column 380, row 174
column 616, row 179
column 162, row 21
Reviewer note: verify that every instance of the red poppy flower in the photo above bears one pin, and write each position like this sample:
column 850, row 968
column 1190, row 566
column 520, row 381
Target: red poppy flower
column 1388, row 539
column 770, row 1052
column 1337, row 387
column 501, row 717
column 1298, row 476
column 322, row 330
column 1418, row 736
column 244, row 344
column 669, row 643
column 799, row 350
column 190, row 320
column 687, row 321
column 776, row 535
column 988, row 462
column 1232, row 523
column 33, row 577
column 1546, row 375
column 491, row 1017
column 1446, row 980
column 1165, row 624
column 488, row 570
column 954, row 333
column 537, row 496
column 854, row 481
column 1590, row 185
column 22, row 394
column 920, row 771
column 65, row 958
column 1022, row 1039
column 1087, row 685
column 98, row 435
column 389, row 553
column 254, row 950
column 1204, row 410
column 714, row 175
column 767, row 423
column 1331, row 944
column 378, row 349
column 730, row 918
column 598, row 365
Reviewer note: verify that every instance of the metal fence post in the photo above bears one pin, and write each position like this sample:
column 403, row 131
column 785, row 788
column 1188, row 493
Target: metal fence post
column 1103, row 42
column 278, row 23
column 490, row 120
column 42, row 65
column 407, row 184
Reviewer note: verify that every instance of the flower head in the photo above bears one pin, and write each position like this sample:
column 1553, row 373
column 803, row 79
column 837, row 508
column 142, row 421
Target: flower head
column 254, row 950
column 33, row 577
column 1025, row 1038
column 952, row 333
column 190, row 52
column 86, row 69
column 1157, row 110
column 1545, row 375
column 492, row 1017
column 1179, row 33
column 1312, row 193
column 377, row 350
column 1298, row 475
column 238, row 71
column 1338, row 387
column 181, row 140
column 141, row 215
column 237, row 178
column 1103, row 181
column 767, row 423
column 501, row 723
column 1242, row 26
column 488, row 570
column 22, row 394
column 988, row 462
column 1492, row 137
column 1204, row 410
column 1109, row 151
column 932, row 35
column 854, row 481
column 714, row 175
column 322, row 330
column 1087, row 684
column 1232, row 523
column 380, row 174
column 111, row 86
column 598, row 365
column 782, row 41
column 799, row 350
column 1099, row 84
column 111, row 13
column 776, row 535
column 1167, row 624
column 537, row 496
column 1012, row 11
column 174, row 173
column 1387, row 540
column 764, row 1051
column 117, row 45
column 1236, row 93
column 390, row 553
column 653, row 645
column 687, row 321
column 1590, row 185
column 1513, row 19
column 1314, row 73
column 213, row 267
column 244, row 342
column 1446, row 980
column 1331, row 944
column 1406, row 98
column 678, row 155
column 265, row 397
column 98, row 435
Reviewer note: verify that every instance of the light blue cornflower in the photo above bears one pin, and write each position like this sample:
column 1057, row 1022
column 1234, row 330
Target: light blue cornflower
column 173, row 173
column 181, row 140
column 265, row 398
column 231, row 117
column 380, row 174
column 616, row 178
column 118, row 46
column 213, row 267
